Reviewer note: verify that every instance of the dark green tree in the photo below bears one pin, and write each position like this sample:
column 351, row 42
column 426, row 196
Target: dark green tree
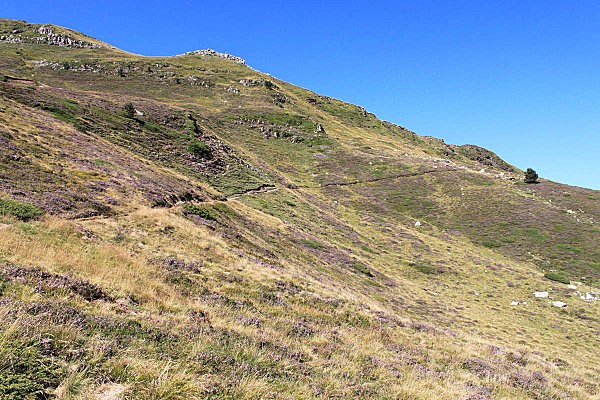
column 531, row 176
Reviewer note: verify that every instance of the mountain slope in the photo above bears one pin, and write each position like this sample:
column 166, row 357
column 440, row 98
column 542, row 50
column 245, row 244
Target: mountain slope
column 211, row 231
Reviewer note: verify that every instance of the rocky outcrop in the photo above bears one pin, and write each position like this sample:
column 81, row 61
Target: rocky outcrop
column 50, row 37
column 213, row 53
column 483, row 157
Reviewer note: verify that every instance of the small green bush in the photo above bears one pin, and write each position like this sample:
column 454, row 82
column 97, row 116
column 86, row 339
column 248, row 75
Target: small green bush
column 363, row 269
column 491, row 244
column 553, row 276
column 129, row 110
column 201, row 211
column 198, row 148
column 18, row 209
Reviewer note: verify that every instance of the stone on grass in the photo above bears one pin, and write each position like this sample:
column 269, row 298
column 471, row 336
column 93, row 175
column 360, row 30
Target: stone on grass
column 541, row 295
column 559, row 304
column 589, row 297
column 514, row 303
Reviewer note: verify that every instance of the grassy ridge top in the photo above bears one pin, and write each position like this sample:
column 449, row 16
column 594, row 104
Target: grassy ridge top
column 210, row 231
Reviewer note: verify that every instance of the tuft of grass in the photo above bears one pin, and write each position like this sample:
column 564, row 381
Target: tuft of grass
column 18, row 209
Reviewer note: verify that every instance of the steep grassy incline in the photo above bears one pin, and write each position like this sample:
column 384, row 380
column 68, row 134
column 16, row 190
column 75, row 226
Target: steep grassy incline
column 187, row 227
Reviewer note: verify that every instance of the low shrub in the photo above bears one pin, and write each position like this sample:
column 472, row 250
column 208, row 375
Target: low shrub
column 553, row 276
column 27, row 373
column 363, row 269
column 198, row 148
column 21, row 210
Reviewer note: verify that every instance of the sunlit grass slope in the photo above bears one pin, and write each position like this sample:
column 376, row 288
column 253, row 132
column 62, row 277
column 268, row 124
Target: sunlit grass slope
column 187, row 228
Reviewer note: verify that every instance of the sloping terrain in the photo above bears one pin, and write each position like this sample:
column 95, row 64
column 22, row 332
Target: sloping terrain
column 187, row 227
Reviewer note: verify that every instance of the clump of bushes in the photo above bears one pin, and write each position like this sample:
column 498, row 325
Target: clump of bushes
column 553, row 276
column 199, row 149
column 199, row 210
column 19, row 209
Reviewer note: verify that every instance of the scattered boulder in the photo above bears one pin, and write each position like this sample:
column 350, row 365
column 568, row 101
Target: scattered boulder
column 572, row 287
column 514, row 303
column 249, row 82
column 589, row 297
column 418, row 223
column 541, row 295
column 559, row 304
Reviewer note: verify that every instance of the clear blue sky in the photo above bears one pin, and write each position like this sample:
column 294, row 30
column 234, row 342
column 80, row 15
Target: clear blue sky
column 521, row 78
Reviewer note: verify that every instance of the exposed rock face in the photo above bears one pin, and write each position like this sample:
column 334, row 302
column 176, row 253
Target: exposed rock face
column 49, row 36
column 213, row 53
column 483, row 156
column 249, row 82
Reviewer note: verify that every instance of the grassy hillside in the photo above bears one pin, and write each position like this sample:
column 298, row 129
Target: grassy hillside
column 187, row 227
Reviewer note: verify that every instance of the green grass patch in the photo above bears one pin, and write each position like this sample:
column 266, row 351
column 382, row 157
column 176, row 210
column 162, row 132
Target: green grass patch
column 199, row 210
column 312, row 243
column 18, row 209
column 26, row 372
column 491, row 244
column 424, row 268
column 101, row 162
column 568, row 247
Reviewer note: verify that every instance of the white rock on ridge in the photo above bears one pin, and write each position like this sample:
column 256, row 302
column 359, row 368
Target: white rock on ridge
column 572, row 287
column 559, row 304
column 213, row 53
column 417, row 223
column 541, row 295
column 514, row 303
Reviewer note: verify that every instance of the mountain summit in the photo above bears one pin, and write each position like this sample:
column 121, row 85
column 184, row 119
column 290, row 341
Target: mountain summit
column 187, row 227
